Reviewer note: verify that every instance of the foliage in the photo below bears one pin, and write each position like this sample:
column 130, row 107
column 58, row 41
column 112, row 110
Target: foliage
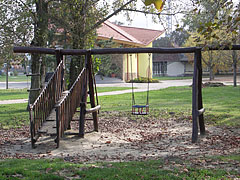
column 179, row 37
column 103, row 63
column 15, row 28
column 209, row 17
column 214, row 60
column 163, row 42
column 143, row 80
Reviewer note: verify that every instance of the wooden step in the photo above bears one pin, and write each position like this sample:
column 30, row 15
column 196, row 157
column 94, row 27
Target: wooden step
column 86, row 119
column 48, row 128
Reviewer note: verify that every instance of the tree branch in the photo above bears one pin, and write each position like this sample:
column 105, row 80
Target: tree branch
column 106, row 18
column 33, row 14
column 153, row 13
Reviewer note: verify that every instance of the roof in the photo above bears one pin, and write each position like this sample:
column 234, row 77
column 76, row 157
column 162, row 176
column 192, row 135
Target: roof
column 128, row 35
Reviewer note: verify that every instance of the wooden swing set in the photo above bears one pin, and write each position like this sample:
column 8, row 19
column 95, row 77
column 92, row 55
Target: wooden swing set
column 53, row 110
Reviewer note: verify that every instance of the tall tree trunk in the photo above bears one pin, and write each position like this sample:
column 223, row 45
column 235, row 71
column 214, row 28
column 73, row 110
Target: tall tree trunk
column 234, row 56
column 210, row 65
column 39, row 40
column 79, row 42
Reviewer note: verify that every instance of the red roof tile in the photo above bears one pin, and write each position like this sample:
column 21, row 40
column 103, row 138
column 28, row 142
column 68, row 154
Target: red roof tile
column 128, row 35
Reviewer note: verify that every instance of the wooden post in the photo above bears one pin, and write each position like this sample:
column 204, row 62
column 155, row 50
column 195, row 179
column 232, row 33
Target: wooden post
column 7, row 75
column 195, row 108
column 84, row 99
column 91, row 94
column 57, row 140
column 200, row 103
column 32, row 126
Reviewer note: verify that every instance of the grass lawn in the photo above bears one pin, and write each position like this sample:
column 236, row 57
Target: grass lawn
column 13, row 115
column 221, row 103
column 19, row 78
column 171, row 78
column 10, row 94
column 58, row 169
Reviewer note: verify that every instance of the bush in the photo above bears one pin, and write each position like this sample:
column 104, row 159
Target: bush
column 143, row 80
column 15, row 73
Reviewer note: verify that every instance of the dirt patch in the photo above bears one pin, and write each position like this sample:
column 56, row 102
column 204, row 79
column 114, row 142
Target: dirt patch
column 126, row 138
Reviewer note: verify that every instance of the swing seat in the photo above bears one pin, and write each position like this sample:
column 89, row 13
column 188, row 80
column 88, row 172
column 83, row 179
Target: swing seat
column 140, row 109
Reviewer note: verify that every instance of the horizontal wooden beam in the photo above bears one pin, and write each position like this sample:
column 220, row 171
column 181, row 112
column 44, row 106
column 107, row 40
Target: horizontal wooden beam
column 233, row 47
column 33, row 74
column 37, row 50
column 37, row 89
column 118, row 50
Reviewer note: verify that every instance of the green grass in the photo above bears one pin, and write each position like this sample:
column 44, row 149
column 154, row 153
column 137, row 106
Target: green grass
column 19, row 78
column 227, row 158
column 109, row 89
column 171, row 78
column 221, row 103
column 13, row 115
column 10, row 94
column 58, row 169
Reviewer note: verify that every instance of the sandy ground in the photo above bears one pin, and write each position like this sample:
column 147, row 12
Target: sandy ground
column 123, row 137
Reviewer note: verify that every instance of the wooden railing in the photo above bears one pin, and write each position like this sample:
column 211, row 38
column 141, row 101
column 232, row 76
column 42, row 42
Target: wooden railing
column 67, row 106
column 44, row 104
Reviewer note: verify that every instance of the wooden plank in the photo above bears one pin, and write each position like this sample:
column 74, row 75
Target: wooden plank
column 48, row 128
column 33, row 74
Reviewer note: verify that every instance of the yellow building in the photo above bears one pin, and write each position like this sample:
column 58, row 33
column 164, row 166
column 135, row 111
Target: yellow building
column 131, row 65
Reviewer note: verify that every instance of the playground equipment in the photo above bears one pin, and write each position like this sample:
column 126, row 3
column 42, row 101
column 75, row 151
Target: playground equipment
column 66, row 102
column 140, row 109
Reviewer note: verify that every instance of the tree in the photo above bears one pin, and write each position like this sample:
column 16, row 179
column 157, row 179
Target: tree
column 213, row 60
column 14, row 28
column 214, row 23
column 179, row 37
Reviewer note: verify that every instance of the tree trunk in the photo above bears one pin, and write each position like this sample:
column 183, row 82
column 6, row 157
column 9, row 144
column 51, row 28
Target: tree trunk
column 79, row 41
column 35, row 80
column 234, row 56
column 211, row 73
column 39, row 40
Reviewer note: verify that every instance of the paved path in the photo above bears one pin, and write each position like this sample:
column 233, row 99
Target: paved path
column 15, row 85
column 140, row 87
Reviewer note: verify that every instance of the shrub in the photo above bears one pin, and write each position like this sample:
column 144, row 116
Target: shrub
column 15, row 73
column 143, row 80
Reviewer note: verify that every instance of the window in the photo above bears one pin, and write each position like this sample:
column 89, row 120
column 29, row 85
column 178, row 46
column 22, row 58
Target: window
column 159, row 68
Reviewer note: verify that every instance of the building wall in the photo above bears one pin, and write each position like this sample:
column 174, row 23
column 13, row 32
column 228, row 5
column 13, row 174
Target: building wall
column 144, row 64
column 130, row 64
column 175, row 69
column 189, row 67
